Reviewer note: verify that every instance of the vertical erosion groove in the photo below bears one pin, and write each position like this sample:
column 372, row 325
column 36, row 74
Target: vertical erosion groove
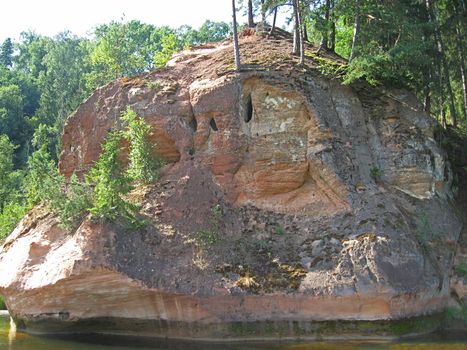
column 248, row 109
column 213, row 125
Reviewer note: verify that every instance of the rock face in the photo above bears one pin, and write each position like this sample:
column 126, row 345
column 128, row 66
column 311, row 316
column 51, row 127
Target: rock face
column 287, row 197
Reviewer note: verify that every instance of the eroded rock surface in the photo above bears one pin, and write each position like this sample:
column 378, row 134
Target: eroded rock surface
column 286, row 197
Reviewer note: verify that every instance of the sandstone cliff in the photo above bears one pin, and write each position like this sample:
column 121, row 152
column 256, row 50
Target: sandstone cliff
column 287, row 197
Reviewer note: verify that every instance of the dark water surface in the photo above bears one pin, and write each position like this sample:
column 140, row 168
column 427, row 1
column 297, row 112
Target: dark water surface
column 11, row 340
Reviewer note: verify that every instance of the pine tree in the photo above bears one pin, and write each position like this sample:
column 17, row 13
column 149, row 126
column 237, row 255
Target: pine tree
column 143, row 164
column 109, row 182
column 6, row 53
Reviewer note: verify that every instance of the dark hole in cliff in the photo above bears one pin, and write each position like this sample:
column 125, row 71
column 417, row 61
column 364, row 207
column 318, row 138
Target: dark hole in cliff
column 213, row 125
column 249, row 109
column 193, row 124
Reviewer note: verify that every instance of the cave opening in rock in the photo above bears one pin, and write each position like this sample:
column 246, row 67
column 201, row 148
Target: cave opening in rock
column 248, row 109
column 213, row 125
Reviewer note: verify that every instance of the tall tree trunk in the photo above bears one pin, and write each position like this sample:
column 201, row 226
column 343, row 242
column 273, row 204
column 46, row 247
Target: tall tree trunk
column 441, row 95
column 300, row 32
column 460, row 52
column 332, row 37
column 235, row 37
column 296, row 34
column 427, row 93
column 263, row 12
column 356, row 31
column 305, row 31
column 324, row 40
column 332, row 34
column 274, row 21
column 323, row 44
column 444, row 62
column 251, row 22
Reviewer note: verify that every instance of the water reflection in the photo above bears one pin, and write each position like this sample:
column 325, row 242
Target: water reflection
column 11, row 332
column 12, row 340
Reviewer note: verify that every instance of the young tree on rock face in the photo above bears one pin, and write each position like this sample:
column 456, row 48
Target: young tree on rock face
column 6, row 53
column 235, row 37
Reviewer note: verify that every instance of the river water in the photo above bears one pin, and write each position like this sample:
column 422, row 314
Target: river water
column 12, row 340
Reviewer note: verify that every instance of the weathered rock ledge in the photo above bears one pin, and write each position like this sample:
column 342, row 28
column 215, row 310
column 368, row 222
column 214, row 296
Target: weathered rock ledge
column 288, row 201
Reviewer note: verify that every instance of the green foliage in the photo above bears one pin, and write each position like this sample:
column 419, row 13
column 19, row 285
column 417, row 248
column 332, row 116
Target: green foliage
column 376, row 173
column 143, row 164
column 41, row 179
column 211, row 32
column 454, row 141
column 169, row 46
column 461, row 268
column 9, row 218
column 73, row 204
column 109, row 181
column 344, row 35
column 279, row 230
column 61, row 83
column 213, row 234
column 6, row 53
column 9, row 179
column 111, row 184
column 453, row 314
column 425, row 233
column 327, row 67
column 2, row 304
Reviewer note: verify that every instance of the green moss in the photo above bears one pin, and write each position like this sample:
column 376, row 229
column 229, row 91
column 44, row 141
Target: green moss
column 416, row 325
column 453, row 316
column 328, row 68
column 323, row 329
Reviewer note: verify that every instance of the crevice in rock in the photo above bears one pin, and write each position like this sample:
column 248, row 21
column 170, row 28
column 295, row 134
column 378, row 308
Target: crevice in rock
column 213, row 125
column 248, row 109
column 193, row 125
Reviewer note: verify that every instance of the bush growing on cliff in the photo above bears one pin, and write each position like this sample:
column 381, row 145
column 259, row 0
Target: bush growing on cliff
column 109, row 181
column 143, row 164
column 73, row 204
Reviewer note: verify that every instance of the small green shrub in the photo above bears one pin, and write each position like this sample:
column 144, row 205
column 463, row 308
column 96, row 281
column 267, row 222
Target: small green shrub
column 153, row 85
column 461, row 268
column 207, row 236
column 213, row 234
column 2, row 303
column 143, row 164
column 453, row 314
column 75, row 204
column 280, row 230
column 376, row 173
column 109, row 181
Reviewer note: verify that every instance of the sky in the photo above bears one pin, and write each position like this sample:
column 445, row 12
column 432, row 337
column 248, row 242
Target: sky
column 49, row 17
